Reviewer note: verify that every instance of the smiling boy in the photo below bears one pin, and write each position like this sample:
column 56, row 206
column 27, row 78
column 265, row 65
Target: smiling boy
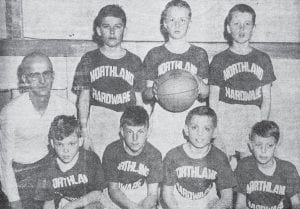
column 196, row 171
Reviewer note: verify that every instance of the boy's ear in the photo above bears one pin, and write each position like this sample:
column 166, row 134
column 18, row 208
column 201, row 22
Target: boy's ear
column 98, row 31
column 125, row 31
column 228, row 29
column 51, row 142
column 186, row 130
column 81, row 140
column 122, row 131
column 24, row 79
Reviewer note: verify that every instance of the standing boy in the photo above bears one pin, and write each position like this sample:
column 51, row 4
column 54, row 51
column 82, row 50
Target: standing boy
column 265, row 181
column 196, row 171
column 175, row 54
column 133, row 166
column 106, row 80
column 74, row 177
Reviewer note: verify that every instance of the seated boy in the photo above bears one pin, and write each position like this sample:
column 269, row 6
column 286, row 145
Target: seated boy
column 133, row 167
column 196, row 173
column 265, row 181
column 74, row 178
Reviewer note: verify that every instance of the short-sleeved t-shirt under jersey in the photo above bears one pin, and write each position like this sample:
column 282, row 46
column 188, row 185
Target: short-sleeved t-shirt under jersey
column 160, row 60
column 263, row 191
column 197, row 179
column 112, row 82
column 241, row 77
column 84, row 177
column 132, row 173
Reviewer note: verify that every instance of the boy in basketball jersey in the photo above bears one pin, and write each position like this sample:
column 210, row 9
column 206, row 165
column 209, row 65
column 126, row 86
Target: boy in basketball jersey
column 74, row 178
column 265, row 181
column 196, row 171
column 133, row 167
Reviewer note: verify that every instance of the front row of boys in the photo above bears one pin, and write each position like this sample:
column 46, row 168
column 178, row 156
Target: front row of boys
column 194, row 175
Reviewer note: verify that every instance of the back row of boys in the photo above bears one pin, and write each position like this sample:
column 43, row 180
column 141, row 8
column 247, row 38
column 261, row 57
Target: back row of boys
column 107, row 81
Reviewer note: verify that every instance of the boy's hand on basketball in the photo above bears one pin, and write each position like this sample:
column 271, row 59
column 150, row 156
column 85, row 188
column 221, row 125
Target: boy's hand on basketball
column 154, row 89
column 202, row 87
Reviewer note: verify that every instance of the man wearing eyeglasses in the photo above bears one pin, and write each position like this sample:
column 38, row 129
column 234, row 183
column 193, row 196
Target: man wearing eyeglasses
column 24, row 126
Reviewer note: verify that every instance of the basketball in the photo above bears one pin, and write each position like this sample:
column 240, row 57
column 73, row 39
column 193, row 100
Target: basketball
column 177, row 90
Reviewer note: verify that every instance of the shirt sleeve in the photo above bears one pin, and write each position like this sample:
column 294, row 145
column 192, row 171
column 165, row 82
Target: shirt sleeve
column 149, row 71
column 99, row 178
column 155, row 174
column 44, row 190
column 225, row 178
column 240, row 176
column 204, row 65
column 215, row 74
column 293, row 181
column 139, row 81
column 169, row 173
column 81, row 78
column 268, row 76
column 7, row 140
column 110, row 166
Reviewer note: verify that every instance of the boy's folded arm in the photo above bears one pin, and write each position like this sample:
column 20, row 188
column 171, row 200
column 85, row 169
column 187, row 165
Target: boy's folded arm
column 241, row 201
column 92, row 197
column 168, row 196
column 120, row 198
column 295, row 201
column 152, row 195
column 225, row 201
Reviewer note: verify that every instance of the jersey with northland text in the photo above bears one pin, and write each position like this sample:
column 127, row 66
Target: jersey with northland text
column 112, row 82
column 241, row 77
column 268, row 192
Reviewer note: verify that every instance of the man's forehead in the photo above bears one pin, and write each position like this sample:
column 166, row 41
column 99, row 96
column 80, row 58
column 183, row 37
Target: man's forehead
column 37, row 64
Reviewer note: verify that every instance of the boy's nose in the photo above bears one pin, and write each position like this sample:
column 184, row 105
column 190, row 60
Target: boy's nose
column 264, row 149
column 134, row 137
column 66, row 149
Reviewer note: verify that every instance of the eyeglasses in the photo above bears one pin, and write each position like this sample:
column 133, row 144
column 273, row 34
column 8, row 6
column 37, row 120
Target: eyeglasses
column 36, row 76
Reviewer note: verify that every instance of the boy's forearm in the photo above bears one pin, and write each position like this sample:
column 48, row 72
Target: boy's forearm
column 214, row 97
column 83, row 107
column 225, row 201
column 121, row 199
column 49, row 205
column 94, row 196
column 168, row 196
column 266, row 102
column 139, row 99
column 150, row 201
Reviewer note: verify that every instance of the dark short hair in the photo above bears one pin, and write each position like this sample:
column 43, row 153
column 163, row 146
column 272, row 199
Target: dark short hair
column 173, row 3
column 265, row 128
column 63, row 126
column 25, row 64
column 202, row 111
column 237, row 8
column 107, row 11
column 134, row 116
